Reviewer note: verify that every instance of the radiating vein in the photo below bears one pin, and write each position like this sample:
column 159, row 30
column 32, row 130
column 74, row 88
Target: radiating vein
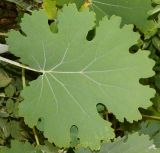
column 110, row 70
column 63, row 57
column 41, row 89
column 102, row 84
column 50, row 86
column 69, row 93
column 101, row 10
column 113, row 5
column 44, row 56
column 36, row 62
column 88, row 65
column 97, row 58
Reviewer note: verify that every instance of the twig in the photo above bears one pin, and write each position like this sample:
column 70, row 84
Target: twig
column 151, row 117
column 3, row 34
column 24, row 84
column 23, row 78
column 18, row 64
column 36, row 136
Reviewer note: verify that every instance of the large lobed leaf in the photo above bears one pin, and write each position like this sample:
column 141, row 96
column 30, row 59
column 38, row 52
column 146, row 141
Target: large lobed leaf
column 133, row 144
column 131, row 11
column 151, row 128
column 78, row 74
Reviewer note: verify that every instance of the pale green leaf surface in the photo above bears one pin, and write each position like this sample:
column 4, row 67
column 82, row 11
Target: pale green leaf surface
column 133, row 144
column 78, row 74
column 131, row 11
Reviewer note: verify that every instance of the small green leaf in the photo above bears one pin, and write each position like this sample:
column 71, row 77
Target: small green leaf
column 50, row 8
column 156, row 1
column 4, row 78
column 10, row 105
column 18, row 147
column 17, row 132
column 10, row 90
column 156, row 43
column 4, row 128
column 154, row 10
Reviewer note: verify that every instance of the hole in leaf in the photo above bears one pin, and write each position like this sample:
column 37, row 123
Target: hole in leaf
column 40, row 124
column 116, row 125
column 39, row 120
column 23, row 33
column 134, row 49
column 74, row 136
column 91, row 34
column 102, row 110
column 147, row 81
column 53, row 25
column 70, row 150
column 50, row 21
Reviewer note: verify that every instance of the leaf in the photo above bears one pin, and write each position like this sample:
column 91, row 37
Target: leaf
column 17, row 147
column 4, row 128
column 50, row 8
column 131, row 11
column 17, row 130
column 151, row 128
column 156, row 1
column 4, row 78
column 134, row 144
column 155, row 10
column 10, row 90
column 62, row 2
column 3, row 48
column 79, row 3
column 10, row 105
column 156, row 42
column 77, row 74
column 22, row 3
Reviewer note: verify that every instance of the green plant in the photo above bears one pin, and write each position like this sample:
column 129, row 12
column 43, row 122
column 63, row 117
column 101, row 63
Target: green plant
column 85, row 81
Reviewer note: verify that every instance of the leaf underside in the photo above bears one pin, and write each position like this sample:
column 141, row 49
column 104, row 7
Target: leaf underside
column 78, row 74
column 133, row 144
column 131, row 11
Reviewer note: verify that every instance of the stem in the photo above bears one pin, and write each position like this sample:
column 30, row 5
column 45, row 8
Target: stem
column 24, row 84
column 151, row 117
column 18, row 64
column 3, row 34
column 23, row 78
column 35, row 135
